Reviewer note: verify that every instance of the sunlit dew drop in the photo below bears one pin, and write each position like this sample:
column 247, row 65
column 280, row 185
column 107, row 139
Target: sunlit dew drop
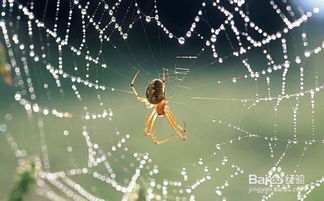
column 3, row 128
column 297, row 60
column 206, row 169
column 125, row 36
column 17, row 97
column 181, row 40
column 307, row 54
column 148, row 19
column 316, row 10
column 155, row 171
column 218, row 192
column 65, row 132
column 234, row 80
column 69, row 149
column 170, row 35
column 213, row 38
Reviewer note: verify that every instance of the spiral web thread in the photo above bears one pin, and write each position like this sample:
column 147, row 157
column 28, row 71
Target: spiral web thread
column 100, row 16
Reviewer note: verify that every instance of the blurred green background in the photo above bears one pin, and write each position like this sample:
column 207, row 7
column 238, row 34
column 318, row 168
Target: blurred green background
column 251, row 154
column 205, row 78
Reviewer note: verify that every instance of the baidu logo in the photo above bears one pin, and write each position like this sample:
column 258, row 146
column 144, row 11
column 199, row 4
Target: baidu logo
column 275, row 176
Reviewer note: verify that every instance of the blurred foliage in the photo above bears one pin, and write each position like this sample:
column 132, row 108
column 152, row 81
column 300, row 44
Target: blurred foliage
column 5, row 68
column 140, row 193
column 26, row 177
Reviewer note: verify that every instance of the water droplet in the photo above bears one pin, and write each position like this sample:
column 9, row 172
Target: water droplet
column 218, row 192
column 3, row 128
column 213, row 38
column 69, row 149
column 181, row 40
column 66, row 132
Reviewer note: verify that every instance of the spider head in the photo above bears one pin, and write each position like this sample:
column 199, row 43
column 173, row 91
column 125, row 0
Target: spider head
column 154, row 91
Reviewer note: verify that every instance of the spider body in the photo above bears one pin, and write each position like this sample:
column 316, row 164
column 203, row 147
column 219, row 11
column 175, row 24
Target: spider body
column 154, row 91
column 156, row 99
column 160, row 107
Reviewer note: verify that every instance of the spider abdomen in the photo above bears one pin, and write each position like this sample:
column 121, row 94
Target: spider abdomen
column 154, row 91
column 160, row 109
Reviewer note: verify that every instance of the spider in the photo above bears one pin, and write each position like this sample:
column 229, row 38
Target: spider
column 155, row 98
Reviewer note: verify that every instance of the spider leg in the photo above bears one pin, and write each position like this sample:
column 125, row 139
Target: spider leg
column 153, row 136
column 163, row 80
column 148, row 123
column 134, row 90
column 167, row 99
column 157, row 142
column 143, row 100
column 180, row 131
column 152, row 121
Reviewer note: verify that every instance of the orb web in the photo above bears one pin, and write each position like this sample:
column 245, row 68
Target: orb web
column 241, row 86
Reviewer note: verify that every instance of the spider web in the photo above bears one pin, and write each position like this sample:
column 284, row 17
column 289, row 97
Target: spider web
column 248, row 89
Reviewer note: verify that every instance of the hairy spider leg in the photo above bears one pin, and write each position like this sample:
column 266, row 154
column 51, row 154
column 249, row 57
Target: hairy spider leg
column 172, row 118
column 163, row 80
column 148, row 122
column 154, row 137
column 180, row 131
column 143, row 100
